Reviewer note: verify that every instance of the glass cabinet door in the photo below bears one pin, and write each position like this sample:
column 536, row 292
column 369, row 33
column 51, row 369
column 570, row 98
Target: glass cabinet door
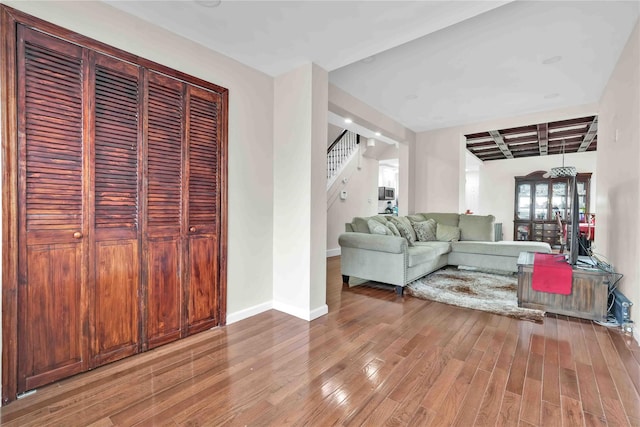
column 523, row 231
column 582, row 199
column 523, row 202
column 559, row 199
column 541, row 212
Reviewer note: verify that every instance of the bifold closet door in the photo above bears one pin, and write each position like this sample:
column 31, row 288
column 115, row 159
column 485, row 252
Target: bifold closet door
column 115, row 283
column 183, row 207
column 52, row 224
column 203, row 207
column 164, row 228
column 119, row 207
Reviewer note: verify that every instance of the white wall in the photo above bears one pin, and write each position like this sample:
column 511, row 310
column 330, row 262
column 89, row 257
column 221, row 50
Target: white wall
column 362, row 198
column 250, row 233
column 618, row 203
column 439, row 171
column 497, row 183
column 300, row 192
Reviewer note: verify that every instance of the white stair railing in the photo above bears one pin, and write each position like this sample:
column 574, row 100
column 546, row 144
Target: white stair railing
column 339, row 153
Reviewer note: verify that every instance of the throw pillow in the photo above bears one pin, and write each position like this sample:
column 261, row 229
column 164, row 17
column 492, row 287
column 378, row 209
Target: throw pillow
column 425, row 230
column 405, row 229
column 377, row 228
column 447, row 233
column 392, row 227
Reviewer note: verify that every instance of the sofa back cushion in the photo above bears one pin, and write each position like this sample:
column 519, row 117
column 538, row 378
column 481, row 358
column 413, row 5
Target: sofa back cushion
column 477, row 227
column 443, row 218
column 360, row 224
column 447, row 233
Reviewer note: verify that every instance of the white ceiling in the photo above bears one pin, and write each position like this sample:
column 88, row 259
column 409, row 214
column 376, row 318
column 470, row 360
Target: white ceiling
column 426, row 64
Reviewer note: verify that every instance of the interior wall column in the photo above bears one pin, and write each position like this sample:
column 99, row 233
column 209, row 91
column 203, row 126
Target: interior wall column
column 300, row 193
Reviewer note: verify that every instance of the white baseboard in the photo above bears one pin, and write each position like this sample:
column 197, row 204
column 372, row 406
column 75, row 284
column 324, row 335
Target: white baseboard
column 333, row 252
column 301, row 313
column 248, row 312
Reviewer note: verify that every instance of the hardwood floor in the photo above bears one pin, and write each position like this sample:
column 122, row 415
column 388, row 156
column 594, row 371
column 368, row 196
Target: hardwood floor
column 375, row 359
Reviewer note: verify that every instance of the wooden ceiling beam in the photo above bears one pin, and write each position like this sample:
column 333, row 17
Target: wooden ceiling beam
column 590, row 136
column 543, row 139
column 478, row 135
column 571, row 122
column 501, row 145
column 518, row 130
column 520, row 139
column 563, row 134
column 481, row 144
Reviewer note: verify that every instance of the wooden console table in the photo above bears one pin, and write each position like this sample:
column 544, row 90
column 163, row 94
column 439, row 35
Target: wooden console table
column 588, row 298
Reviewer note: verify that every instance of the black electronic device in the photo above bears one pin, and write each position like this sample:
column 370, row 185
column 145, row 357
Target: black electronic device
column 386, row 193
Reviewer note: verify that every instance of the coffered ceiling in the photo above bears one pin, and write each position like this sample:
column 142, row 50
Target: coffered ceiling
column 568, row 136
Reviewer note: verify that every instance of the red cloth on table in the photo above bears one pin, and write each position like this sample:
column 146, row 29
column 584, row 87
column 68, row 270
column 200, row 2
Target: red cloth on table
column 551, row 273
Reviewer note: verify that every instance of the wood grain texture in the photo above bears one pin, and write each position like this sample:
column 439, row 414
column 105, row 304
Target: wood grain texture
column 375, row 359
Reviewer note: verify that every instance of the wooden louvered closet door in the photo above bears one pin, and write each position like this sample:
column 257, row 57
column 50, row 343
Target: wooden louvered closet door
column 114, row 235
column 119, row 208
column 52, row 221
column 183, row 207
column 203, row 203
column 164, row 219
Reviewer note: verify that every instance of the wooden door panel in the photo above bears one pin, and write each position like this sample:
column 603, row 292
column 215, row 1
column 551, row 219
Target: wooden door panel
column 164, row 211
column 116, row 300
column 203, row 274
column 164, row 293
column 51, row 320
column 52, row 306
column 116, row 212
column 203, row 192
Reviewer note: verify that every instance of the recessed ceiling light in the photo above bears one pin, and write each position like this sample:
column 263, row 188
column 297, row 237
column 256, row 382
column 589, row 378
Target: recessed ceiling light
column 378, row 134
column 552, row 60
column 369, row 60
column 208, row 3
column 347, row 120
column 551, row 95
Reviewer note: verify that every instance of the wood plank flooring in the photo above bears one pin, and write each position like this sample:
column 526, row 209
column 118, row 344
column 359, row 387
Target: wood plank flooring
column 376, row 359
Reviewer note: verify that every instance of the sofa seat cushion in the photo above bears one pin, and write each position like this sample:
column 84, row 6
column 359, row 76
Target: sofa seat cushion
column 502, row 248
column 440, row 248
column 421, row 254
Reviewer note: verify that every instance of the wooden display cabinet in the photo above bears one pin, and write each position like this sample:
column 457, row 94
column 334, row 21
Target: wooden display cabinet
column 538, row 200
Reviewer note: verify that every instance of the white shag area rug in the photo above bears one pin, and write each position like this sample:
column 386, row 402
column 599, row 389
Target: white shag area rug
column 495, row 293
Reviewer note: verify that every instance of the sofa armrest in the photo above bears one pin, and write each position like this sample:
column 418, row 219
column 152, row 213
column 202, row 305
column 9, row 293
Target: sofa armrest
column 373, row 242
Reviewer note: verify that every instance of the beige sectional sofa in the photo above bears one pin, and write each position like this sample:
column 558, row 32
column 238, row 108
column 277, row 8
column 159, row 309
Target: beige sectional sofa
column 399, row 250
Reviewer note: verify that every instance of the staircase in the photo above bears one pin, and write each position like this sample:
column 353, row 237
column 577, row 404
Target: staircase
column 339, row 153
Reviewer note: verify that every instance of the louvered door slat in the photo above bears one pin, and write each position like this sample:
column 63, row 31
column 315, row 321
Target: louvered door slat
column 164, row 155
column 116, row 154
column 47, row 127
column 203, row 203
